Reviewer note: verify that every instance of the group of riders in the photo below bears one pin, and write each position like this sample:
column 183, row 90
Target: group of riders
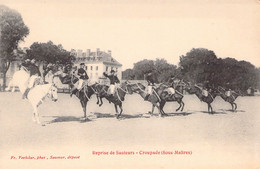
column 30, row 66
column 82, row 76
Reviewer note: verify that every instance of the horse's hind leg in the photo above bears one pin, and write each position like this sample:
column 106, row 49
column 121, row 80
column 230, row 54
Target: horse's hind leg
column 121, row 110
column 232, row 106
column 97, row 99
column 235, row 106
column 210, row 110
column 180, row 105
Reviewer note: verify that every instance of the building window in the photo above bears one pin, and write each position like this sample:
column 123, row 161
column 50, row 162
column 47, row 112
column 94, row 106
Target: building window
column 90, row 67
column 106, row 68
column 86, row 67
column 96, row 67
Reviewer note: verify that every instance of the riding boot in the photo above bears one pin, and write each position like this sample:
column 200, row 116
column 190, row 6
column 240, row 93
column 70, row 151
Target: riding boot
column 26, row 93
column 146, row 97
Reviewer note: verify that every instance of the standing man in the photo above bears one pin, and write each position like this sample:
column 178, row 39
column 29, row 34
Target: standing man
column 34, row 74
column 113, row 80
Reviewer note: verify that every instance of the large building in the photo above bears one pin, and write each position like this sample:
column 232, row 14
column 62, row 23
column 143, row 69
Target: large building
column 96, row 63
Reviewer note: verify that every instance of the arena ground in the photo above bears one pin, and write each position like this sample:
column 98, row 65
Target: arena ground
column 225, row 139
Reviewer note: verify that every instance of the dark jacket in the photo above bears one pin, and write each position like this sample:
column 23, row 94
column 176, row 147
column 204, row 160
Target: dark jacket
column 82, row 74
column 113, row 79
column 34, row 70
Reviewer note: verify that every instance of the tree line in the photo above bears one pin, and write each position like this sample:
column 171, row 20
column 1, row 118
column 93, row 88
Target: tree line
column 200, row 65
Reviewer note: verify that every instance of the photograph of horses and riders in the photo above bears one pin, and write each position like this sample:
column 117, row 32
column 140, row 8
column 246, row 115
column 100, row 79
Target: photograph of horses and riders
column 129, row 84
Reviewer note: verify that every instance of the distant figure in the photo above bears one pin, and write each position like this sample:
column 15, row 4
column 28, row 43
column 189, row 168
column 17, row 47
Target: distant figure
column 34, row 74
column 113, row 81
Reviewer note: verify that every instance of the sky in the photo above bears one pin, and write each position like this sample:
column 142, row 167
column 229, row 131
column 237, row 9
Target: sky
column 147, row 29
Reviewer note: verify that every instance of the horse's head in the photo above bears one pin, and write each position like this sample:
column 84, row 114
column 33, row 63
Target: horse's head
column 135, row 88
column 190, row 88
column 53, row 93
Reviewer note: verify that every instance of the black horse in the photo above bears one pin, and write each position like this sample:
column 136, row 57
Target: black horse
column 230, row 99
column 117, row 99
column 194, row 89
column 83, row 95
column 154, row 98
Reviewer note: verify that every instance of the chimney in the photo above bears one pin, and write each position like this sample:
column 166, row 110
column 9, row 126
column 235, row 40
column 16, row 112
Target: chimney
column 88, row 52
column 98, row 51
column 109, row 52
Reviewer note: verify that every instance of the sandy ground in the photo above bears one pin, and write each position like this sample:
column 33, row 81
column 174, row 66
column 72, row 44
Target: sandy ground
column 223, row 140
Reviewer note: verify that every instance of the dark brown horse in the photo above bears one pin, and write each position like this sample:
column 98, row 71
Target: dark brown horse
column 83, row 95
column 194, row 89
column 230, row 99
column 176, row 97
column 117, row 99
column 153, row 98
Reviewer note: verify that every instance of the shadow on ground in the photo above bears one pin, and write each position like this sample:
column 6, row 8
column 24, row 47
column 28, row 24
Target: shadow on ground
column 59, row 119
column 230, row 110
column 123, row 116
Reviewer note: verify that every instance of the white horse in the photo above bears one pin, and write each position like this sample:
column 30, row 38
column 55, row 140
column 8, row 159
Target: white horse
column 37, row 94
column 20, row 79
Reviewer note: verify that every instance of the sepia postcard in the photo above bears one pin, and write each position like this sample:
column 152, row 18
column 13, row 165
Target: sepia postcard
column 129, row 84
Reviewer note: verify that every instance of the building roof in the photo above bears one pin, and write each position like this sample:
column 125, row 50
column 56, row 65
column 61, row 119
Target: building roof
column 103, row 57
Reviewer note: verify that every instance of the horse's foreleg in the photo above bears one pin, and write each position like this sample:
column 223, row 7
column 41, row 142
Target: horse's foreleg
column 84, row 107
column 209, row 108
column 160, row 110
column 116, row 108
column 101, row 101
column 151, row 112
column 162, row 103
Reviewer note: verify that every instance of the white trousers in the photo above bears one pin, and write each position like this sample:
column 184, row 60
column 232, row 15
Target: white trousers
column 81, row 81
column 228, row 93
column 149, row 89
column 205, row 93
column 171, row 90
column 111, row 89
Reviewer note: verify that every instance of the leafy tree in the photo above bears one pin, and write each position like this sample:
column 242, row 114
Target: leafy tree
column 198, row 65
column 50, row 53
column 161, row 69
column 128, row 74
column 13, row 30
column 141, row 67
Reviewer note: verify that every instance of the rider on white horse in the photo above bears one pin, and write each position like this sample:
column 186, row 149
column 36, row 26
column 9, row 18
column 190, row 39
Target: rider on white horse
column 34, row 74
